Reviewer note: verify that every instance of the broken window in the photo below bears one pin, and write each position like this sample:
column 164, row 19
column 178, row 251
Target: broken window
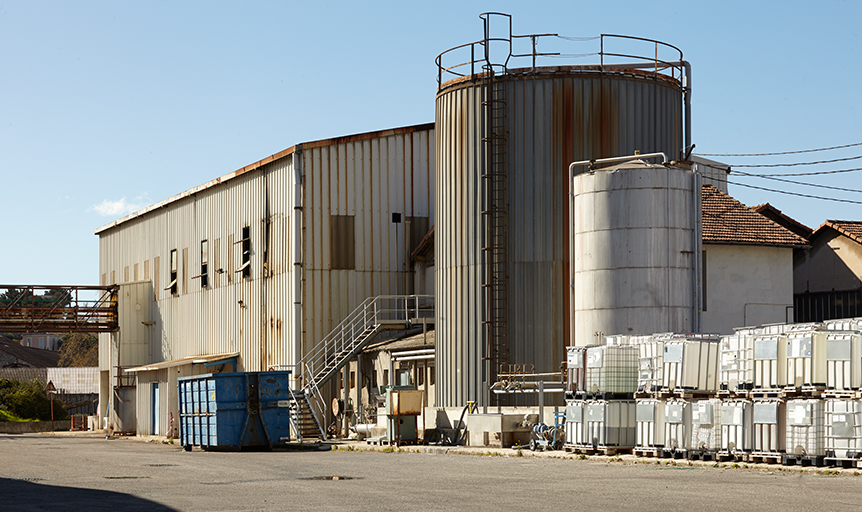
column 245, row 242
column 173, row 282
column 204, row 264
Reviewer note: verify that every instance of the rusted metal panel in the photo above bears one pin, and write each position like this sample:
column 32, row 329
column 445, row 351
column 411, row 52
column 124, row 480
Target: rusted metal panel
column 554, row 117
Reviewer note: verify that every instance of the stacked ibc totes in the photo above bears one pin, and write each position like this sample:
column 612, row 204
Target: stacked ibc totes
column 600, row 407
column 676, row 373
column 842, row 405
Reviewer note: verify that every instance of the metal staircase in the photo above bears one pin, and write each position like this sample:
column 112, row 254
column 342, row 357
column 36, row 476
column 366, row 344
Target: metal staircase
column 373, row 316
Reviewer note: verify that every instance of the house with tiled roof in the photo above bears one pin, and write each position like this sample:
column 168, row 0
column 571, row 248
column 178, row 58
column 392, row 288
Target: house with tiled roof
column 774, row 214
column 827, row 276
column 747, row 265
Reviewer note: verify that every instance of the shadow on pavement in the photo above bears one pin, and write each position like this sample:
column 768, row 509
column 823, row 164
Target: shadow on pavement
column 24, row 495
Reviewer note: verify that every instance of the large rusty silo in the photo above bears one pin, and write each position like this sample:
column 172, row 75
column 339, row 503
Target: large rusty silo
column 504, row 139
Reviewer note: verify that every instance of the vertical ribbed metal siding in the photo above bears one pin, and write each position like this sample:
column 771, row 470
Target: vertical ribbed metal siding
column 369, row 178
column 553, row 119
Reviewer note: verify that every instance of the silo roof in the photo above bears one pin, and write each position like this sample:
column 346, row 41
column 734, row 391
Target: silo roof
column 727, row 221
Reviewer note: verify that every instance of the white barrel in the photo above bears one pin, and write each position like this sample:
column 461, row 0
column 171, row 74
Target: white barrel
column 768, row 421
column 677, row 424
column 610, row 423
column 806, row 427
column 575, row 433
column 770, row 361
column 737, row 362
column 649, row 419
column 612, row 369
column 843, row 428
column 736, row 425
column 706, row 425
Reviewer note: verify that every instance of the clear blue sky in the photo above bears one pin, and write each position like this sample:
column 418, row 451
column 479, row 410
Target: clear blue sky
column 106, row 107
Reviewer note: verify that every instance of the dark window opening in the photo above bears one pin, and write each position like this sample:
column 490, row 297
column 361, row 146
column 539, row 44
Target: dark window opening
column 246, row 252
column 204, row 265
column 173, row 282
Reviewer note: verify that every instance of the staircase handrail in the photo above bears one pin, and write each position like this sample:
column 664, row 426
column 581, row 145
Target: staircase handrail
column 370, row 313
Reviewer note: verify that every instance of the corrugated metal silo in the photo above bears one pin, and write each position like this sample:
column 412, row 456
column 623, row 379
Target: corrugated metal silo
column 550, row 117
column 636, row 248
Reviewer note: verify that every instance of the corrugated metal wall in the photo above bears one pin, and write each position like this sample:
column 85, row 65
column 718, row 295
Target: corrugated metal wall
column 366, row 176
column 553, row 119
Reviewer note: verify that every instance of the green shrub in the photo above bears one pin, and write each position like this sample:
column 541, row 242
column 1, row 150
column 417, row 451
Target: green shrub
column 29, row 400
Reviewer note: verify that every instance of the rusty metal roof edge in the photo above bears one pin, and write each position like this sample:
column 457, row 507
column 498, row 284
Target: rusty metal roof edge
column 181, row 362
column 260, row 163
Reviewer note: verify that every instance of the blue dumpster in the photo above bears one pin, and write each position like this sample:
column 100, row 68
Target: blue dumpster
column 235, row 410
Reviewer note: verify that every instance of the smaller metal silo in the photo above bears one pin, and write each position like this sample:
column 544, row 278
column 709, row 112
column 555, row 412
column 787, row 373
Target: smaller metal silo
column 636, row 249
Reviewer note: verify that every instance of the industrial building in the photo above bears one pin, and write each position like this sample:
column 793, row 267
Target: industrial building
column 301, row 261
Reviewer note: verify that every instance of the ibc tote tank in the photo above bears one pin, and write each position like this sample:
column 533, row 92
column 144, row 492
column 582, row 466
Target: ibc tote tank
column 636, row 250
column 553, row 116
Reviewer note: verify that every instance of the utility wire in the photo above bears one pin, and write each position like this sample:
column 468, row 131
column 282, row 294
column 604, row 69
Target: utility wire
column 798, row 182
column 795, row 193
column 799, row 163
column 782, row 152
column 806, row 173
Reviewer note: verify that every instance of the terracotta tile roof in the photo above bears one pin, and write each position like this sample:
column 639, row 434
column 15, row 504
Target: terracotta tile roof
column 727, row 221
column 774, row 214
column 852, row 229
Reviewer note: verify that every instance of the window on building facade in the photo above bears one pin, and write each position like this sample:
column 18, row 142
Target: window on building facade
column 204, row 264
column 245, row 244
column 173, row 282
column 342, row 242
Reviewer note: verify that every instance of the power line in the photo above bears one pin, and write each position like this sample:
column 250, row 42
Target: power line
column 794, row 182
column 782, row 152
column 796, row 193
column 808, row 173
column 799, row 163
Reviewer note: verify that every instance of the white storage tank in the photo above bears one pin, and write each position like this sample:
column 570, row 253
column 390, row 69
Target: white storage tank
column 706, row 425
column 737, row 362
column 768, row 420
column 844, row 324
column 806, row 427
column 736, row 426
column 575, row 428
column 649, row 417
column 610, row 423
column 612, row 370
column 806, row 359
column 770, row 361
column 576, row 370
column 651, row 364
column 549, row 117
column 843, row 428
column 691, row 363
column 677, row 424
column 637, row 246
column 843, row 364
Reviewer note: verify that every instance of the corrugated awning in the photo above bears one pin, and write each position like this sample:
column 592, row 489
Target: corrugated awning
column 207, row 360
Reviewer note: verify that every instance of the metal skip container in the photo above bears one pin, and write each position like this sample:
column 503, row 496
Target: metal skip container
column 235, row 410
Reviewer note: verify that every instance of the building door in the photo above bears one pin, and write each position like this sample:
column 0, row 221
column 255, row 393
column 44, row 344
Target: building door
column 155, row 411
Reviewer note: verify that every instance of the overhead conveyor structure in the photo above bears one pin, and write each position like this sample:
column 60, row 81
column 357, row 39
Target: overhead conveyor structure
column 38, row 308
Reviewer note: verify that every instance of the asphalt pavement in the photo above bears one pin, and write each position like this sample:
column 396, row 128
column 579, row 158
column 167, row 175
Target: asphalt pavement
column 88, row 472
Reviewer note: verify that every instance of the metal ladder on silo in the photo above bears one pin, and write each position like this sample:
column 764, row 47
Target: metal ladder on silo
column 494, row 212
